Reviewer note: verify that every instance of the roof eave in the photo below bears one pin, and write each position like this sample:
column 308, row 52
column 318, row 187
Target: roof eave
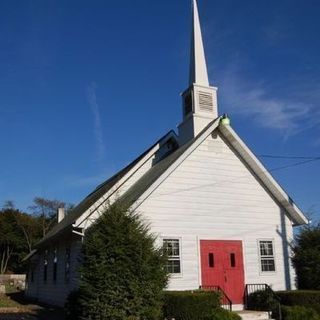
column 297, row 216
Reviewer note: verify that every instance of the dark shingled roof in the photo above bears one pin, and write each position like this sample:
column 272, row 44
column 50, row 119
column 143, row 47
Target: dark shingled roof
column 137, row 189
column 68, row 221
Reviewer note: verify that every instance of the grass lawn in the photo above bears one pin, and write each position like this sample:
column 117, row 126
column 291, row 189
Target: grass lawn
column 14, row 306
column 6, row 302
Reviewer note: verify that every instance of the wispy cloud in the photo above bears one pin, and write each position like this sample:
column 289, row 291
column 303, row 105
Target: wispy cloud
column 257, row 100
column 277, row 30
column 92, row 100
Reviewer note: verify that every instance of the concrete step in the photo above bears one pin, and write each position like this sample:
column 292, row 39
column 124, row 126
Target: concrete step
column 253, row 315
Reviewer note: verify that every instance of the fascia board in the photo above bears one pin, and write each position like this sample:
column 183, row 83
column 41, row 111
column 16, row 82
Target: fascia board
column 176, row 164
column 113, row 190
column 263, row 174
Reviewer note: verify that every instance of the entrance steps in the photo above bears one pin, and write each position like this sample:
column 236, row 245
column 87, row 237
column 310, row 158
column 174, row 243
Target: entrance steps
column 253, row 315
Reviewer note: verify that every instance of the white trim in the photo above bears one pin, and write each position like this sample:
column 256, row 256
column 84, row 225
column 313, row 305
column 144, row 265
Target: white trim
column 179, row 238
column 265, row 177
column 113, row 190
column 176, row 164
column 199, row 262
column 267, row 273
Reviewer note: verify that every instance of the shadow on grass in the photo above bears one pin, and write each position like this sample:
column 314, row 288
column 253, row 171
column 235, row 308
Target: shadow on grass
column 31, row 309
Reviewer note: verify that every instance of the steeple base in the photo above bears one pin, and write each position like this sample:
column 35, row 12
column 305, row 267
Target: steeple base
column 191, row 127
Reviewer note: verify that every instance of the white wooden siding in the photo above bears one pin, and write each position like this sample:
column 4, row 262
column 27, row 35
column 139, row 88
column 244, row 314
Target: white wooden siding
column 55, row 292
column 213, row 195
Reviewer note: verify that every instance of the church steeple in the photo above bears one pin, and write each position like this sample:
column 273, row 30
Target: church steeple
column 198, row 67
column 200, row 99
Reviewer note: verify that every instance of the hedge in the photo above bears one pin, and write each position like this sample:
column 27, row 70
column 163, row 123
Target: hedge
column 306, row 298
column 189, row 305
column 221, row 314
column 261, row 300
column 299, row 313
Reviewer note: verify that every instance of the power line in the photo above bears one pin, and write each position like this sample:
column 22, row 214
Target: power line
column 295, row 164
column 285, row 157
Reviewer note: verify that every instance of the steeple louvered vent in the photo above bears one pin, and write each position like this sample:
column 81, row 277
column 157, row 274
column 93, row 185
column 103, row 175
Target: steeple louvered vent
column 205, row 101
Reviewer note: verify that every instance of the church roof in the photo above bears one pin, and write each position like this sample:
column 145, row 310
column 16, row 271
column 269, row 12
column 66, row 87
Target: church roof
column 156, row 173
column 88, row 201
column 243, row 152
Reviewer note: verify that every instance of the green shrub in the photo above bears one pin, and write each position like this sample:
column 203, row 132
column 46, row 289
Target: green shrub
column 306, row 298
column 299, row 313
column 261, row 300
column 221, row 314
column 306, row 258
column 189, row 305
column 122, row 271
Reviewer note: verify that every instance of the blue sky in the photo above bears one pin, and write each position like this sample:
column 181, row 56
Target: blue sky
column 86, row 86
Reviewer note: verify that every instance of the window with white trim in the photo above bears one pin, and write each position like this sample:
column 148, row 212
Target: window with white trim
column 172, row 249
column 267, row 256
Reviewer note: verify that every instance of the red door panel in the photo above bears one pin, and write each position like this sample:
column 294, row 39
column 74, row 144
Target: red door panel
column 222, row 265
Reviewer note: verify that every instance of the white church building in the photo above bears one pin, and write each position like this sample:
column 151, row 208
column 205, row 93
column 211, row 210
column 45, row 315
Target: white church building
column 225, row 221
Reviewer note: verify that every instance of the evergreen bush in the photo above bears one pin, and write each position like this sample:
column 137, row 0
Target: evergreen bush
column 221, row 314
column 122, row 272
column 306, row 298
column 299, row 313
column 189, row 305
column 261, row 300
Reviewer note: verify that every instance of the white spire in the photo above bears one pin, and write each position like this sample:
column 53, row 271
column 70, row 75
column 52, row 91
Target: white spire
column 199, row 101
column 198, row 66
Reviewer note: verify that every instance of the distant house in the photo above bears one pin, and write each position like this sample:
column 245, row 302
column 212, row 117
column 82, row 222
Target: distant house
column 223, row 218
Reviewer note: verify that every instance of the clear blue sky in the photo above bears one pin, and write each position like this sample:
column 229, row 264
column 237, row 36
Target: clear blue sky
column 86, row 86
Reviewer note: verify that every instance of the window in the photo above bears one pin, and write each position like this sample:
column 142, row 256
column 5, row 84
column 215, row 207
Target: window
column 55, row 264
column 211, row 260
column 45, row 266
column 232, row 260
column 267, row 256
column 67, row 265
column 172, row 249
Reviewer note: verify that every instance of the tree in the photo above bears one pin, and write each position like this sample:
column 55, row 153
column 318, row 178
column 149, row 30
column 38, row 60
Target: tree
column 12, row 244
column 46, row 212
column 306, row 258
column 122, row 273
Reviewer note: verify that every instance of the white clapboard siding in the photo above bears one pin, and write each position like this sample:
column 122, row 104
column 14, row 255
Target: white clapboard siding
column 213, row 195
column 55, row 292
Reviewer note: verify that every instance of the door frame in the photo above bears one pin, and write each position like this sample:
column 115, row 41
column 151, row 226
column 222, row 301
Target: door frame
column 220, row 238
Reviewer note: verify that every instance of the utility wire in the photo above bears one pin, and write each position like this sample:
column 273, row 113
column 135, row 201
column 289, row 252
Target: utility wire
column 295, row 164
column 286, row 157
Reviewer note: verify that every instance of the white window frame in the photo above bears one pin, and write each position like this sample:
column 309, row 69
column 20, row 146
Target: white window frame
column 174, row 258
column 267, row 257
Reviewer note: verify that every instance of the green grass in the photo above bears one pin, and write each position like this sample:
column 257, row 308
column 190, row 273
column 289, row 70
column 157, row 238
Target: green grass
column 11, row 289
column 5, row 302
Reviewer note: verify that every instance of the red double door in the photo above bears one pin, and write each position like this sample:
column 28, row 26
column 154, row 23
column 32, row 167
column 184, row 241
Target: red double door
column 222, row 265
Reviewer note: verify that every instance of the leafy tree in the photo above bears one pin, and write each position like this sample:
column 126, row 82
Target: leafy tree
column 306, row 258
column 19, row 231
column 12, row 243
column 122, row 273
